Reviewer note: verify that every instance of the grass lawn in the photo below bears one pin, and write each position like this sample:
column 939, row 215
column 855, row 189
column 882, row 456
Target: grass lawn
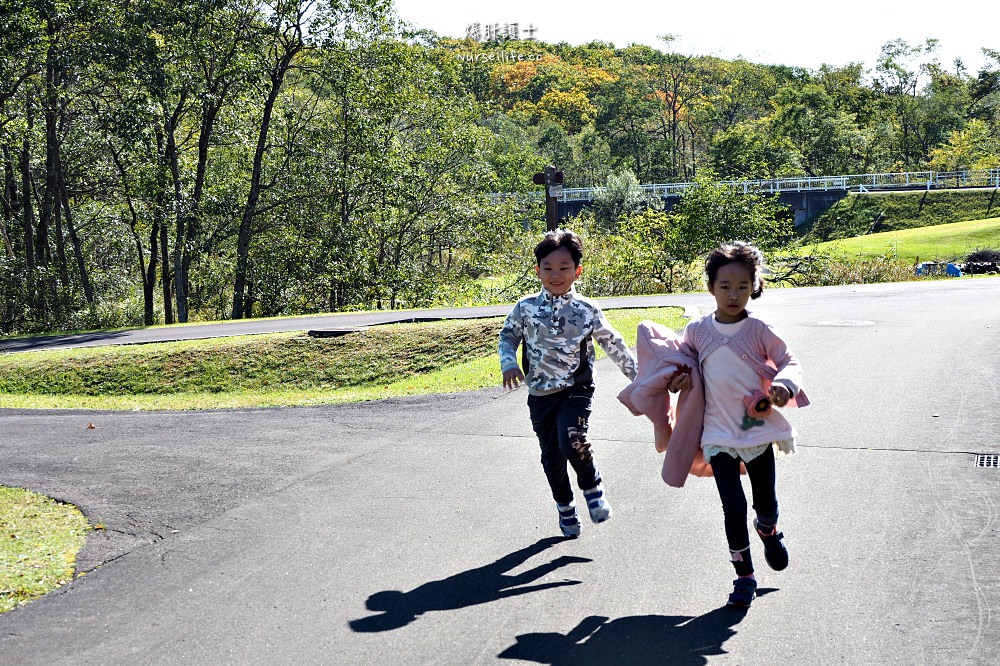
column 39, row 540
column 944, row 242
column 274, row 369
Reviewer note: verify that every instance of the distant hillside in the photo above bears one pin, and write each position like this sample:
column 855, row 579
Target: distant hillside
column 860, row 214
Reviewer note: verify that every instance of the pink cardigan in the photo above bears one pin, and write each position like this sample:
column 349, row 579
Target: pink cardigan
column 758, row 345
column 661, row 353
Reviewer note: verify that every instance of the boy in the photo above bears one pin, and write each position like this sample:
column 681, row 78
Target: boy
column 556, row 326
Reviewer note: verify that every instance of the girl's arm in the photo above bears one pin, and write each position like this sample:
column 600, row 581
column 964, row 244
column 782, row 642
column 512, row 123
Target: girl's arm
column 614, row 346
column 789, row 371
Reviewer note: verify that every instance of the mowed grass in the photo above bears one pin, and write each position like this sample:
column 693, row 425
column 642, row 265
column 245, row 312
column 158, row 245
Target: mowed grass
column 39, row 540
column 275, row 369
column 944, row 242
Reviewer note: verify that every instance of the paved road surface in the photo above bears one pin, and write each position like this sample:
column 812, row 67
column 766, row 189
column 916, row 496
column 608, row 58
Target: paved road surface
column 418, row 531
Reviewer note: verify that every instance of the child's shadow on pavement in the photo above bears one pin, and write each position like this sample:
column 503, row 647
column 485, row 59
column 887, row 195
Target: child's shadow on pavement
column 636, row 640
column 468, row 588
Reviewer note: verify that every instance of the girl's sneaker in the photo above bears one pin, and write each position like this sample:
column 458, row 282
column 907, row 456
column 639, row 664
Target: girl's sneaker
column 744, row 591
column 599, row 508
column 569, row 522
column 774, row 548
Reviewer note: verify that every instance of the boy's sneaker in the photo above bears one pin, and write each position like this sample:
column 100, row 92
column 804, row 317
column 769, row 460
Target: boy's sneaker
column 744, row 591
column 774, row 548
column 599, row 508
column 569, row 522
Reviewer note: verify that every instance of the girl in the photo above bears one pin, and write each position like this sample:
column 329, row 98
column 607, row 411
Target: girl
column 746, row 368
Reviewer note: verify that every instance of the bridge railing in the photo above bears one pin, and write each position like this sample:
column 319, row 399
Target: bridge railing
column 857, row 182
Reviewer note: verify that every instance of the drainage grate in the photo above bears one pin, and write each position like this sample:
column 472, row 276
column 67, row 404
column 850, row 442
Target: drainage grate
column 988, row 460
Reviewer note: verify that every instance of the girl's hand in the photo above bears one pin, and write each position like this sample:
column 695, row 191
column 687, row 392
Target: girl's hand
column 512, row 378
column 780, row 395
column 679, row 382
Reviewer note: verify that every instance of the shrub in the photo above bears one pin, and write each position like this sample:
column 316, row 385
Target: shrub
column 984, row 256
column 823, row 269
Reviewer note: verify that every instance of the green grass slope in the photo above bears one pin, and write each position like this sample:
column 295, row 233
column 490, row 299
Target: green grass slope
column 942, row 242
column 877, row 212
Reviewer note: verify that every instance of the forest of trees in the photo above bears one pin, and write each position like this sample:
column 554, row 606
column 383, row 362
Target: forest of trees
column 180, row 160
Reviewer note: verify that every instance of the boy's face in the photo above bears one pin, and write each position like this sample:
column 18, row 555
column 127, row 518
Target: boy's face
column 558, row 272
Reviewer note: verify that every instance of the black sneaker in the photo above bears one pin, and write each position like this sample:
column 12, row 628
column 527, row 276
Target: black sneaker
column 774, row 548
column 744, row 591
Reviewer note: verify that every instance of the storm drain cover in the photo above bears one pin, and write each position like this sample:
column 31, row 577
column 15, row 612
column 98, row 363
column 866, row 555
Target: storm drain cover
column 845, row 322
column 988, row 460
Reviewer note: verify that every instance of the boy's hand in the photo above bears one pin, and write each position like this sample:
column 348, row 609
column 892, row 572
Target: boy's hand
column 512, row 377
column 679, row 382
column 780, row 395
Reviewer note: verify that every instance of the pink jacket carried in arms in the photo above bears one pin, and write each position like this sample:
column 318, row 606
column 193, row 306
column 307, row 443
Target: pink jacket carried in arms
column 662, row 354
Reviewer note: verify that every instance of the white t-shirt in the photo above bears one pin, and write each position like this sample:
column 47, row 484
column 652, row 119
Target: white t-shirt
column 728, row 428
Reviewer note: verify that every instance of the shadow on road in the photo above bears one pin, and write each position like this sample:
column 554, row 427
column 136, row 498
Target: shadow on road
column 469, row 588
column 637, row 640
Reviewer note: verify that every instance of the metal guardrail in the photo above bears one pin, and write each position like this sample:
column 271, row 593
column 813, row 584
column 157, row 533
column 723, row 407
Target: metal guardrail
column 858, row 182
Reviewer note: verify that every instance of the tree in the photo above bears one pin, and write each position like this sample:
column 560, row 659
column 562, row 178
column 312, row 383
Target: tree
column 711, row 213
column 973, row 147
column 282, row 41
column 828, row 139
column 754, row 150
column 620, row 197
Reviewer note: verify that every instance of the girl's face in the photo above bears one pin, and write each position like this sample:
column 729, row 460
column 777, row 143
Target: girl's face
column 557, row 271
column 732, row 288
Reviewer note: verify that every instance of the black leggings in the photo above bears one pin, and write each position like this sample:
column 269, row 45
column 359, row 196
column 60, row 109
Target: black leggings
column 734, row 501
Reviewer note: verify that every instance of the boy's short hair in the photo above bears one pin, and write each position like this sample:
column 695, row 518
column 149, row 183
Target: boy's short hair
column 560, row 238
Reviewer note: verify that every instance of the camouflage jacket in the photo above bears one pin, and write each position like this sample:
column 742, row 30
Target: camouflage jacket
column 558, row 332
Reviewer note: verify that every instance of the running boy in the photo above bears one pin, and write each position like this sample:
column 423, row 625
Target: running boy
column 557, row 326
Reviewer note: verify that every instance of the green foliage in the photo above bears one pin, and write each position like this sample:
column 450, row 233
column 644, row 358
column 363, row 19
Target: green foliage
column 753, row 151
column 137, row 137
column 973, row 147
column 652, row 251
column 620, row 197
column 711, row 213
column 824, row 268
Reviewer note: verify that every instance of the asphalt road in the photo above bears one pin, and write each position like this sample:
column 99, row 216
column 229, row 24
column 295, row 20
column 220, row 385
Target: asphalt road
column 418, row 531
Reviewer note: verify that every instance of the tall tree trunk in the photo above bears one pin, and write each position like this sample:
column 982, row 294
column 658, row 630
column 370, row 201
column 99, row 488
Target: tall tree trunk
column 27, row 203
column 240, row 307
column 165, row 282
column 148, row 276
column 52, row 113
column 149, row 279
column 28, row 221
column 166, row 145
column 172, row 160
column 60, row 302
column 74, row 238
column 188, row 225
column 9, row 198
